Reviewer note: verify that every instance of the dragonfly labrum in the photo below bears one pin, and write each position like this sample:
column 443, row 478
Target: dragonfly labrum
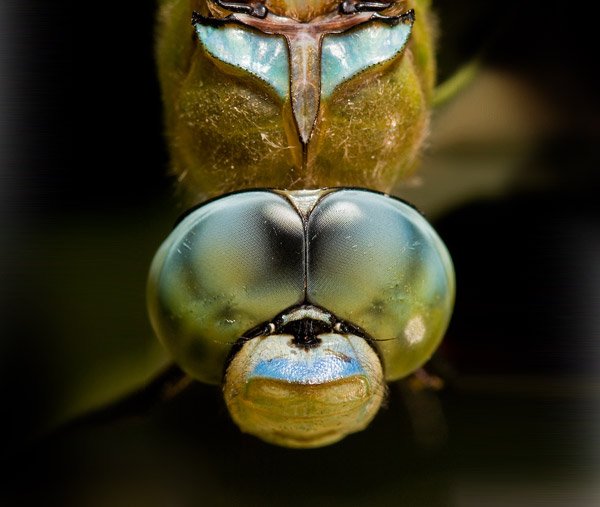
column 296, row 281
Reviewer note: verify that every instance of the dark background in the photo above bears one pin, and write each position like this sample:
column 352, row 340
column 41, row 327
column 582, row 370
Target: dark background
column 85, row 201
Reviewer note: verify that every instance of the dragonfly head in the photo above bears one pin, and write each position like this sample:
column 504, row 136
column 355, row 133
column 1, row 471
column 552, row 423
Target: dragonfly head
column 302, row 305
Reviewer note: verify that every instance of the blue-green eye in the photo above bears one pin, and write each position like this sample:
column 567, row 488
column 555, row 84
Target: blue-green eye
column 335, row 289
column 300, row 303
column 228, row 266
column 377, row 263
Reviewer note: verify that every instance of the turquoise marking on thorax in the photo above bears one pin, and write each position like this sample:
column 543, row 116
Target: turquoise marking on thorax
column 264, row 56
column 307, row 368
column 348, row 54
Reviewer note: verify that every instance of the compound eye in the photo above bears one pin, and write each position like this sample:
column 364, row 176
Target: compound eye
column 376, row 262
column 228, row 266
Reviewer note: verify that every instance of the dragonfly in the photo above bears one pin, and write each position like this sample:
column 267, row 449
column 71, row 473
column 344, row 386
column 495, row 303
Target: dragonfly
column 296, row 281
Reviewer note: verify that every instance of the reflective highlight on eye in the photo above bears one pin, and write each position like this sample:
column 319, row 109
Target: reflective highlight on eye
column 415, row 330
column 238, row 262
column 264, row 56
column 348, row 54
column 228, row 266
column 301, row 301
column 377, row 263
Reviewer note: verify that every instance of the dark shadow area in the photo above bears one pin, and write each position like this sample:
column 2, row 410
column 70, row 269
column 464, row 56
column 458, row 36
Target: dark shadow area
column 517, row 423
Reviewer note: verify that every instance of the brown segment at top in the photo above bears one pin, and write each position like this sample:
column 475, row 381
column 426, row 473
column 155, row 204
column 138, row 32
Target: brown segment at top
column 301, row 10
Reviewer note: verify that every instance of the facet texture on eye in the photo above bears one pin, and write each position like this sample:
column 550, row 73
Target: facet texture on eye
column 226, row 268
column 377, row 263
column 304, row 299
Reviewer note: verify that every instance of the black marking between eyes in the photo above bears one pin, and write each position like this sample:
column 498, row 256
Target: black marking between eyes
column 300, row 330
column 305, row 332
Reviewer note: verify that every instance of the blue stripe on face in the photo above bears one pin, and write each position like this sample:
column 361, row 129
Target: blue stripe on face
column 346, row 55
column 264, row 56
column 305, row 368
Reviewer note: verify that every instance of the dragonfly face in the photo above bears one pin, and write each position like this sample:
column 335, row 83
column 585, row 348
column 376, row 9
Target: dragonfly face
column 302, row 302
